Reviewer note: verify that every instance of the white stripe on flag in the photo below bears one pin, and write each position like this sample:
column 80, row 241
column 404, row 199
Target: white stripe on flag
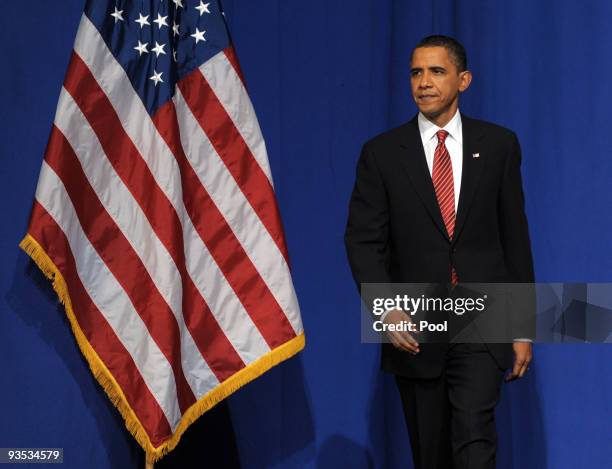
column 229, row 89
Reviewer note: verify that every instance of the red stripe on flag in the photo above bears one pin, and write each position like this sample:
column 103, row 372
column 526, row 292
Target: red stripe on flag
column 230, row 146
column 214, row 346
column 222, row 243
column 98, row 332
column 121, row 259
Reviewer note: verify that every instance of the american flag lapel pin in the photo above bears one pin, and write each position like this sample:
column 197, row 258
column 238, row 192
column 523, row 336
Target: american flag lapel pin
column 475, row 155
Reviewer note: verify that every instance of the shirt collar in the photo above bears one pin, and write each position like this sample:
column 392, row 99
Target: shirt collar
column 428, row 129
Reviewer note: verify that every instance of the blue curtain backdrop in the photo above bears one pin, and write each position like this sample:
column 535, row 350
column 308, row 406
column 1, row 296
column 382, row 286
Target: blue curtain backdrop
column 324, row 76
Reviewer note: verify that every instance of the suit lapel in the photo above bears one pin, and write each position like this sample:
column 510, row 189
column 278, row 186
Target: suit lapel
column 413, row 160
column 472, row 170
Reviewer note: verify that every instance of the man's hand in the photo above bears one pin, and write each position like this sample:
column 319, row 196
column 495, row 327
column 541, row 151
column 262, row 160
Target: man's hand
column 522, row 359
column 401, row 340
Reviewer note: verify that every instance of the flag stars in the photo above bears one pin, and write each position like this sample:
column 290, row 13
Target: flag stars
column 203, row 8
column 178, row 3
column 161, row 21
column 156, row 78
column 175, row 29
column 118, row 15
column 141, row 48
column 142, row 20
column 198, row 35
column 159, row 49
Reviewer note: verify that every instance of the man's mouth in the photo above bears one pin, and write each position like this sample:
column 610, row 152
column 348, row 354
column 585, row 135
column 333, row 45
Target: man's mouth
column 426, row 97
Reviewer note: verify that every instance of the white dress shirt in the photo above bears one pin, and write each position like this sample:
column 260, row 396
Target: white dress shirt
column 453, row 142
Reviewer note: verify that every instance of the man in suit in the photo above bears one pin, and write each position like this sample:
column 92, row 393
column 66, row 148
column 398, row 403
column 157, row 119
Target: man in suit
column 440, row 200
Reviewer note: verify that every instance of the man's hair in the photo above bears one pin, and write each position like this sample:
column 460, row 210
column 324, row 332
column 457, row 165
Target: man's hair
column 454, row 48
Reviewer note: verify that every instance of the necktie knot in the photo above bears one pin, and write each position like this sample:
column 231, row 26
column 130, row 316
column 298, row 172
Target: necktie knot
column 441, row 134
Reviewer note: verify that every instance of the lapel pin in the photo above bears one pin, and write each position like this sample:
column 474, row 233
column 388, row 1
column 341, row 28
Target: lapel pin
column 475, row 155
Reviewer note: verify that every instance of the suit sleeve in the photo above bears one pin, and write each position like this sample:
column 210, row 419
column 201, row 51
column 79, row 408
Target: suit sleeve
column 517, row 246
column 367, row 232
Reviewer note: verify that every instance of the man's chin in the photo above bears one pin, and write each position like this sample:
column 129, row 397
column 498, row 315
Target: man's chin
column 430, row 113
column 433, row 113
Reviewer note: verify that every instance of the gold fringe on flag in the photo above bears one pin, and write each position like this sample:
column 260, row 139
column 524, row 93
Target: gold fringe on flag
column 33, row 249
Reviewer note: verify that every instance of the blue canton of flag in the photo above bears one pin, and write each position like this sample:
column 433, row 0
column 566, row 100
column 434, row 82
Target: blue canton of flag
column 158, row 42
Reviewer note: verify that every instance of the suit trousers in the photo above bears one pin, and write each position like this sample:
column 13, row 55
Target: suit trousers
column 451, row 419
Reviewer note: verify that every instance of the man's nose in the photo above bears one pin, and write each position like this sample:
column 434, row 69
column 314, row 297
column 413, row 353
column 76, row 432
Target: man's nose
column 425, row 81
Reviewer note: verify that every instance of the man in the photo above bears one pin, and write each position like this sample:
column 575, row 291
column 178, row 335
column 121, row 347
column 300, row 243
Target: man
column 440, row 200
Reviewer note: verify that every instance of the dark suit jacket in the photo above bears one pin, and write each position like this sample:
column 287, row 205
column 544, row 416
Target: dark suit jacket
column 395, row 231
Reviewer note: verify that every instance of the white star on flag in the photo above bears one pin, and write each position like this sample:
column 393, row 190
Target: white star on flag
column 198, row 36
column 142, row 20
column 175, row 29
column 158, row 49
column 178, row 3
column 156, row 77
column 141, row 48
column 161, row 21
column 203, row 8
column 118, row 15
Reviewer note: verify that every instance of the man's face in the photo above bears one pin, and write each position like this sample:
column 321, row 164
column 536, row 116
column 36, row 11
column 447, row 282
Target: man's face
column 436, row 83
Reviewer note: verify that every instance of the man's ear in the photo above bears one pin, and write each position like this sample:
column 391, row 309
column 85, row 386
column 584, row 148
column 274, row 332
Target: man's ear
column 465, row 80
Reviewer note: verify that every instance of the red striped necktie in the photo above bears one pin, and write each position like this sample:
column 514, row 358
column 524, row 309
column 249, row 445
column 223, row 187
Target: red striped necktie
column 444, row 186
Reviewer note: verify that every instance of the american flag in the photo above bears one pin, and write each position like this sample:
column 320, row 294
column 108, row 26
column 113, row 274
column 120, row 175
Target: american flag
column 156, row 219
